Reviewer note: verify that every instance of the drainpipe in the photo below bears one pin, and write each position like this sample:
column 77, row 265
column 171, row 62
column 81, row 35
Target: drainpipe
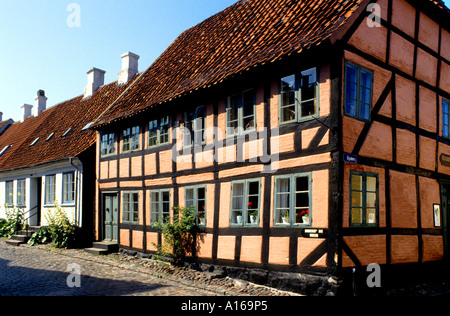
column 78, row 193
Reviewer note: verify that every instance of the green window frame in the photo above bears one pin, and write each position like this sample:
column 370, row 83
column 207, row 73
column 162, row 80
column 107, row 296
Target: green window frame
column 159, row 206
column 445, row 118
column 130, row 207
column 108, row 144
column 68, row 189
column 364, row 199
column 241, row 113
column 299, row 97
column 194, row 127
column 9, row 193
column 21, row 193
column 293, row 200
column 358, row 92
column 158, row 132
column 50, row 189
column 130, row 139
column 195, row 198
column 245, row 202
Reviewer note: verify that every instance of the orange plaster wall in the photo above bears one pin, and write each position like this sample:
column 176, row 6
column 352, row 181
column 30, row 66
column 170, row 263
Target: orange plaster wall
column 370, row 40
column 426, row 67
column 403, row 200
column 320, row 197
column 404, row 249
column 251, row 247
column 152, row 241
column 433, row 248
column 444, row 82
column 138, row 239
column 279, row 250
column 378, row 143
column 305, row 246
column 429, row 32
column 165, row 161
column 136, row 166
column 406, row 100
column 427, row 109
column 406, row 147
column 150, row 164
column 225, row 248
column 401, row 54
column 205, row 246
column 445, row 44
column 427, row 158
column 368, row 249
column 404, row 16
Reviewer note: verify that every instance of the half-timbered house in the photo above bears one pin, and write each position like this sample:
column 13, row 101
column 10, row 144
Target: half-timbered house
column 310, row 136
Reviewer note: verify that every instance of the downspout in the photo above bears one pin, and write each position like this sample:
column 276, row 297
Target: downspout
column 78, row 214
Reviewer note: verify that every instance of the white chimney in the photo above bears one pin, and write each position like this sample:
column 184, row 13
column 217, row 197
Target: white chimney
column 26, row 111
column 130, row 67
column 40, row 102
column 96, row 79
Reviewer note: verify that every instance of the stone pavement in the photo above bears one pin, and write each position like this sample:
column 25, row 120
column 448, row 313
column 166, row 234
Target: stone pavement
column 45, row 271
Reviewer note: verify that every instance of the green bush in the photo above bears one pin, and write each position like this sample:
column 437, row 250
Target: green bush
column 60, row 231
column 13, row 224
column 42, row 236
column 179, row 234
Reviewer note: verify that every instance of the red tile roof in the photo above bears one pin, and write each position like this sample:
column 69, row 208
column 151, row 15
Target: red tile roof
column 247, row 34
column 75, row 113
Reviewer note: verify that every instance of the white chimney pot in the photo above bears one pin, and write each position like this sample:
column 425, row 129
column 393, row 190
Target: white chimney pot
column 26, row 111
column 40, row 102
column 130, row 67
column 96, row 79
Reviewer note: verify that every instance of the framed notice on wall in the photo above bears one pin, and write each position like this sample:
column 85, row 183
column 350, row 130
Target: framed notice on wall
column 437, row 215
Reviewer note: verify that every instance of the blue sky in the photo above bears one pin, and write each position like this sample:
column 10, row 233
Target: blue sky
column 40, row 51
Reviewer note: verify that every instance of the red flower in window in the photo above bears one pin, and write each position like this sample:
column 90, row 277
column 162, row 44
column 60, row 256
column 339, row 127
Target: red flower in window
column 250, row 204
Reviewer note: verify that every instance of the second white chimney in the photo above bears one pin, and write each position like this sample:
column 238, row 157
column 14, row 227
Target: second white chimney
column 130, row 67
column 26, row 111
column 96, row 79
column 40, row 102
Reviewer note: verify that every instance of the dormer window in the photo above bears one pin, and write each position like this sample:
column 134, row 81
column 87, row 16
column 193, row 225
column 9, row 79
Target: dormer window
column 66, row 132
column 50, row 137
column 87, row 126
column 34, row 142
column 4, row 150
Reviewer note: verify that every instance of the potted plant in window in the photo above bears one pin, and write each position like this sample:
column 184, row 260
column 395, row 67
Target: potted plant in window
column 238, row 217
column 285, row 217
column 201, row 217
column 252, row 213
column 253, row 216
column 305, row 217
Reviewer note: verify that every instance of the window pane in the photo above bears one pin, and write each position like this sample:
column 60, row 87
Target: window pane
column 366, row 79
column 357, row 182
column 371, row 200
column 253, row 188
column 302, row 200
column 350, row 107
column 371, row 216
column 357, row 199
column 357, row 216
column 352, row 74
column 288, row 83
column 308, row 108
column 288, row 113
column 364, row 111
column 371, row 184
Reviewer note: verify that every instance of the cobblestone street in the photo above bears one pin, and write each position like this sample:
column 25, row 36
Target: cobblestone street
column 43, row 271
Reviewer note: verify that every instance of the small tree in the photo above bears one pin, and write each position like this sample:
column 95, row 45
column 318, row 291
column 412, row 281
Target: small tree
column 179, row 234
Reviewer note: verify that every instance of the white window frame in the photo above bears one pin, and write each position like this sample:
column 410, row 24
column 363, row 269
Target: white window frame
column 50, row 190
column 130, row 207
column 196, row 202
column 240, row 128
column 246, row 196
column 291, row 208
column 68, row 188
column 158, row 213
column 159, row 130
column 21, row 192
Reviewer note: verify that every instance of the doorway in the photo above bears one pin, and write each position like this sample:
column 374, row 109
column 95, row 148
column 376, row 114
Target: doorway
column 110, row 217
